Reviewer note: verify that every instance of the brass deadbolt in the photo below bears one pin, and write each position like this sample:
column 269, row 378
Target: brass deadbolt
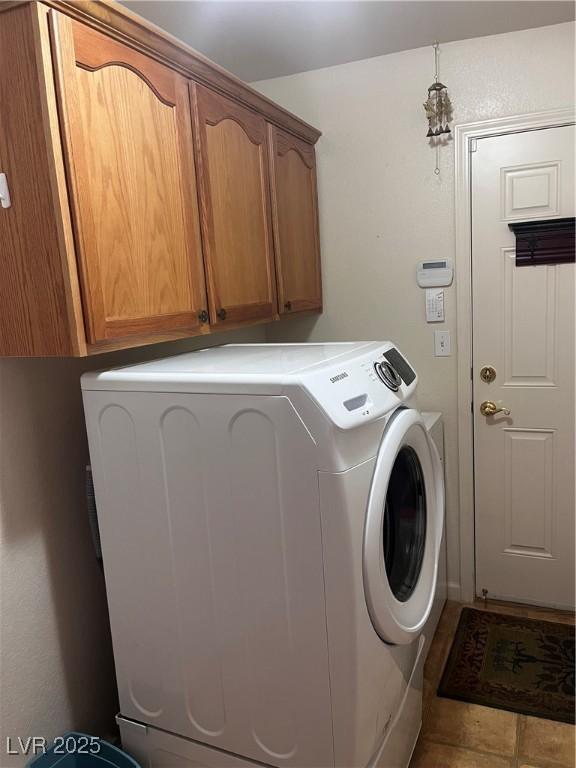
column 487, row 374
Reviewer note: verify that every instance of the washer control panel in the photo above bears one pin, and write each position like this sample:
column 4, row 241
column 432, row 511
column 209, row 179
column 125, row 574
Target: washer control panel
column 370, row 385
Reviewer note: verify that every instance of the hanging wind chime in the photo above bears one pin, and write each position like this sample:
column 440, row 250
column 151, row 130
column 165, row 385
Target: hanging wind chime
column 438, row 109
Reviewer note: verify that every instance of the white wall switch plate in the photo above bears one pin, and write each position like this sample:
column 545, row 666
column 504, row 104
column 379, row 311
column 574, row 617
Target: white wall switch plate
column 442, row 347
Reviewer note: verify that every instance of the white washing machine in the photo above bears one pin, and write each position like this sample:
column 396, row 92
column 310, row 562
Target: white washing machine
column 435, row 426
column 271, row 520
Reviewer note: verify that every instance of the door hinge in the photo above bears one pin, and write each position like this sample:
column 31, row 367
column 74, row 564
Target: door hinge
column 473, row 145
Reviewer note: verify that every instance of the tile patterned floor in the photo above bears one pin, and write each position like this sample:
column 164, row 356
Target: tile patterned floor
column 459, row 735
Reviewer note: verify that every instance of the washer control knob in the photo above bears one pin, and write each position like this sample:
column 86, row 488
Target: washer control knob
column 388, row 374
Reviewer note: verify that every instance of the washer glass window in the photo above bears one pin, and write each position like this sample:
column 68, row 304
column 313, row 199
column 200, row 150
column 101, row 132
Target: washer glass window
column 404, row 531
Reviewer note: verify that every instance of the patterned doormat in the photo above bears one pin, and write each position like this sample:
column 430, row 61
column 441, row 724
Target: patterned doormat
column 506, row 662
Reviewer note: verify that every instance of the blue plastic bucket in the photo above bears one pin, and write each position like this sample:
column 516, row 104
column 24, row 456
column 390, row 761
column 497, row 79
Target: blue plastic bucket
column 78, row 750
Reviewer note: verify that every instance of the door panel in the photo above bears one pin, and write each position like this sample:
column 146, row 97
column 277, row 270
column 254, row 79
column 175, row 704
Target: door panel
column 127, row 127
column 235, row 208
column 523, row 320
column 528, row 501
column 295, row 219
column 530, row 354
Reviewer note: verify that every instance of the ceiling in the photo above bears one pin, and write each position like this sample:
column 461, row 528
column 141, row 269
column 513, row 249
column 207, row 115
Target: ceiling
column 258, row 40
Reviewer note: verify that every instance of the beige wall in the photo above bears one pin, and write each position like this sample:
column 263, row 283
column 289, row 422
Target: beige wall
column 56, row 667
column 382, row 208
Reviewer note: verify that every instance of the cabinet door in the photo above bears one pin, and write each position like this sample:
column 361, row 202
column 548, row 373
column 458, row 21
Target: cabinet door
column 295, row 219
column 128, row 143
column 235, row 208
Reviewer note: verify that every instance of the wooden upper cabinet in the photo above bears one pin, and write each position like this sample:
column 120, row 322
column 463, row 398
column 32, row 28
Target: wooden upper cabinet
column 295, row 219
column 152, row 195
column 233, row 177
column 128, row 146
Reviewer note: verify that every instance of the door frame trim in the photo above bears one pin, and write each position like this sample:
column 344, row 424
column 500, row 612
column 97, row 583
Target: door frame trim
column 465, row 136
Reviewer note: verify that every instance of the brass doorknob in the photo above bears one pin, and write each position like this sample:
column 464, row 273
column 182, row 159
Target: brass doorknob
column 489, row 408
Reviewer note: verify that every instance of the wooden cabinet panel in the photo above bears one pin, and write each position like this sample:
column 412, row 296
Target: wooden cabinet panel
column 128, row 143
column 40, row 312
column 295, row 219
column 232, row 161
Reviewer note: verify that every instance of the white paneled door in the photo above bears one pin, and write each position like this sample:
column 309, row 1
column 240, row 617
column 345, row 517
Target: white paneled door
column 523, row 328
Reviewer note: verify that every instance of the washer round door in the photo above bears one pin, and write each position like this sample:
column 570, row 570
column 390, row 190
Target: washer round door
column 403, row 530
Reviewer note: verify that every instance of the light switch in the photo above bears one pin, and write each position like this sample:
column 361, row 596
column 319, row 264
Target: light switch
column 442, row 344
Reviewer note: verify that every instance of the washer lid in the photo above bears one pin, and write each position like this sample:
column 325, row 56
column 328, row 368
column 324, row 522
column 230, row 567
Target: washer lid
column 403, row 530
column 345, row 380
column 236, row 364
